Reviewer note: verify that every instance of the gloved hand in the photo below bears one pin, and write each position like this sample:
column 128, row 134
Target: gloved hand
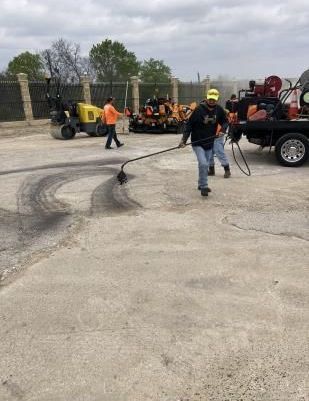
column 182, row 144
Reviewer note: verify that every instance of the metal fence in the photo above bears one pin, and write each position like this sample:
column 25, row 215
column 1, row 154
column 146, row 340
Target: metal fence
column 101, row 91
column 149, row 90
column 226, row 89
column 38, row 90
column 11, row 105
column 189, row 92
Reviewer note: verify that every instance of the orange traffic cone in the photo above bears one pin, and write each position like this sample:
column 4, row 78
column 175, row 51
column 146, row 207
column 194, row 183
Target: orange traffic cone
column 293, row 109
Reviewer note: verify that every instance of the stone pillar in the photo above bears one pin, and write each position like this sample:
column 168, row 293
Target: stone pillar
column 174, row 82
column 135, row 94
column 207, row 83
column 235, row 87
column 25, row 95
column 85, row 81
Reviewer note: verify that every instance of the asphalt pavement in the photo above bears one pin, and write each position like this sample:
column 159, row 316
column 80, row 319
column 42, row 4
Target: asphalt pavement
column 148, row 291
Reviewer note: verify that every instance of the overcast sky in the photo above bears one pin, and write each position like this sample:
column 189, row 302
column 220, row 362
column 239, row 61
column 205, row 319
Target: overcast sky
column 238, row 38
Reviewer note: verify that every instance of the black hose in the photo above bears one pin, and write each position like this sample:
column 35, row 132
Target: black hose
column 234, row 141
column 248, row 172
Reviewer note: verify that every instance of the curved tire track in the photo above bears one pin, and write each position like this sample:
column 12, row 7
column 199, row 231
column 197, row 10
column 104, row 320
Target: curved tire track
column 42, row 221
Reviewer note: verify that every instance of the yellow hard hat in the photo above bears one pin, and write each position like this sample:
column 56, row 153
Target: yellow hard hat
column 213, row 94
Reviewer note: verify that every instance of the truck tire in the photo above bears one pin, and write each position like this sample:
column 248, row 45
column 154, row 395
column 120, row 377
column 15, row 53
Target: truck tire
column 292, row 150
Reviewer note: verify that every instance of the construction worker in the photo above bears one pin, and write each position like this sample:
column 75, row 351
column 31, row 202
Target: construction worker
column 232, row 104
column 218, row 148
column 110, row 118
column 203, row 126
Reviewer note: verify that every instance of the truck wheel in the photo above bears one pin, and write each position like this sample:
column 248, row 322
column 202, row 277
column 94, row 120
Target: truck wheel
column 292, row 150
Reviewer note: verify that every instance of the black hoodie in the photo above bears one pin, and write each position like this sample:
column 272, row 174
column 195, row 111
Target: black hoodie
column 203, row 124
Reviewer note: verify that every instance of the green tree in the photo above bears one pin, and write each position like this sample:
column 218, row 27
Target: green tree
column 155, row 71
column 27, row 63
column 112, row 61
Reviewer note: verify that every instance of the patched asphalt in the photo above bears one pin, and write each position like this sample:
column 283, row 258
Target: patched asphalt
column 148, row 291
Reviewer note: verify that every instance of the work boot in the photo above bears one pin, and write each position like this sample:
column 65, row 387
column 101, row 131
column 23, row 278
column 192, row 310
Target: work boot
column 208, row 189
column 227, row 171
column 211, row 170
column 204, row 191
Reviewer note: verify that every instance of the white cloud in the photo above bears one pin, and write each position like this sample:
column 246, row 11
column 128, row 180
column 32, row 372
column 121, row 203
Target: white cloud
column 241, row 38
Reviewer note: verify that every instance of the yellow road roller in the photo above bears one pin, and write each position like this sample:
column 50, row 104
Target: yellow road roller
column 74, row 118
column 69, row 118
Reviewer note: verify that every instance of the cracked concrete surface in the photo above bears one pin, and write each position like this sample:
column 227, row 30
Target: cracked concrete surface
column 289, row 223
column 149, row 291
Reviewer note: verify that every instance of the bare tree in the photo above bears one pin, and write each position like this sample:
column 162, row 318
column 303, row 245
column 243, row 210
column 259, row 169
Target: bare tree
column 63, row 59
column 3, row 75
column 49, row 62
column 87, row 68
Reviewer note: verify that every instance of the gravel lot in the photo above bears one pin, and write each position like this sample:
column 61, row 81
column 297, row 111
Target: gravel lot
column 149, row 291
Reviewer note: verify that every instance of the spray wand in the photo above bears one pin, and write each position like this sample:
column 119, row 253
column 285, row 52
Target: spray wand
column 122, row 177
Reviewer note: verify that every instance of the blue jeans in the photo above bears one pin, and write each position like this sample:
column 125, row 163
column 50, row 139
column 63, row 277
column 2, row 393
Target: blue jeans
column 111, row 134
column 203, row 157
column 218, row 150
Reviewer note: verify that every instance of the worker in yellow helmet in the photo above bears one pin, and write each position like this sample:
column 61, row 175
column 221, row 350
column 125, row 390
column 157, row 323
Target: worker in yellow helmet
column 206, row 121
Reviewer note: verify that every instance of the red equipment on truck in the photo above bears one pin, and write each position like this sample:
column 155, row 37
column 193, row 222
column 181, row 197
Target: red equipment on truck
column 269, row 116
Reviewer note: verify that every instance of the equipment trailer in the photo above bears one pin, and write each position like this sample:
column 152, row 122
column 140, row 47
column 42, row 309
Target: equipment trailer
column 264, row 117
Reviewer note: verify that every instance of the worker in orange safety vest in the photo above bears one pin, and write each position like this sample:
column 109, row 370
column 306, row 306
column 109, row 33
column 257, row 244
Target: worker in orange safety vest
column 110, row 117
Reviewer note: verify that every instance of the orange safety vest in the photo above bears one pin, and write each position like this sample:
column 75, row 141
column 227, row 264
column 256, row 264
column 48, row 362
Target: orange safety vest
column 110, row 114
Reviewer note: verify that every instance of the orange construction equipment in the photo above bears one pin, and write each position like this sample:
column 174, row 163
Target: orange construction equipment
column 260, row 115
column 149, row 111
column 293, row 109
column 127, row 112
column 252, row 109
